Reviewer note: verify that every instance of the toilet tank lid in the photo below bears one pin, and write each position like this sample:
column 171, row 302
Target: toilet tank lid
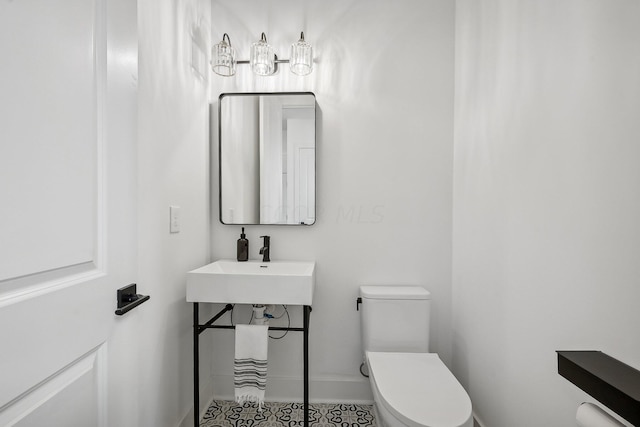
column 394, row 292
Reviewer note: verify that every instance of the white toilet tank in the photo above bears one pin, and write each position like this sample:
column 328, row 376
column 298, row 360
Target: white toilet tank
column 395, row 318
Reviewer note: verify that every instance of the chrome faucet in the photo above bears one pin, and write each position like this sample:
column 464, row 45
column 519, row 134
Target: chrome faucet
column 264, row 250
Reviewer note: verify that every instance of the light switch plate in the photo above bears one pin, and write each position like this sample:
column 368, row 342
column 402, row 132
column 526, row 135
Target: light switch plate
column 174, row 219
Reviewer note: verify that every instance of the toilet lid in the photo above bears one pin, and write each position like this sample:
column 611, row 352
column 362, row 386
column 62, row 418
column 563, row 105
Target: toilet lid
column 419, row 389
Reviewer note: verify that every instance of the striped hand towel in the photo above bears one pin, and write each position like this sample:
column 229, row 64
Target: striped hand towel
column 250, row 365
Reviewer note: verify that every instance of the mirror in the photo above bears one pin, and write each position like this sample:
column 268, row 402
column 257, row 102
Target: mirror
column 267, row 152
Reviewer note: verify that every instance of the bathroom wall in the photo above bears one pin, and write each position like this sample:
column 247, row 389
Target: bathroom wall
column 242, row 200
column 383, row 80
column 173, row 169
column 546, row 199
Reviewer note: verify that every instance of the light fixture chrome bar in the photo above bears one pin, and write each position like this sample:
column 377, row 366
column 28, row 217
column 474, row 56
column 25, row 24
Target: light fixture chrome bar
column 277, row 61
column 263, row 60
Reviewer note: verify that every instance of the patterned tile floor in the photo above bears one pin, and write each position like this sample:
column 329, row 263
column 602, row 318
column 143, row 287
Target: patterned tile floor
column 230, row 414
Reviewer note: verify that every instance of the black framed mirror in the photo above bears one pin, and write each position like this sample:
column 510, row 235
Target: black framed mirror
column 267, row 158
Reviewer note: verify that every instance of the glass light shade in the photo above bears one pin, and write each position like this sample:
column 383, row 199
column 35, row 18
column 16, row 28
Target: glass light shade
column 301, row 58
column 262, row 57
column 223, row 58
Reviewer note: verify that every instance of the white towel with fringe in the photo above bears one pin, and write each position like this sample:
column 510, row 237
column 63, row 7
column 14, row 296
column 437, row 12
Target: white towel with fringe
column 250, row 365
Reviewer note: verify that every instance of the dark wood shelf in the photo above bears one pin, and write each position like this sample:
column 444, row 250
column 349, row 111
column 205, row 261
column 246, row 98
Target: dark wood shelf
column 613, row 383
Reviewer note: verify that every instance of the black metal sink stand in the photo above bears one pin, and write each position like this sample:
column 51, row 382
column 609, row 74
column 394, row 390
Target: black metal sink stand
column 198, row 329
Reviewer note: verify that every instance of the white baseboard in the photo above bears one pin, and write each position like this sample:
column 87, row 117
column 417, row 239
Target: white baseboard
column 476, row 422
column 286, row 389
column 205, row 401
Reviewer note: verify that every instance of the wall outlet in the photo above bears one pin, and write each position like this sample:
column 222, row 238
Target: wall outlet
column 174, row 219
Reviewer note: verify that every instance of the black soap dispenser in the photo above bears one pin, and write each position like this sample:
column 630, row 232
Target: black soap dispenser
column 243, row 247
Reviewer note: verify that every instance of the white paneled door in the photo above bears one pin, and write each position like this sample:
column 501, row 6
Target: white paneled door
column 302, row 169
column 67, row 203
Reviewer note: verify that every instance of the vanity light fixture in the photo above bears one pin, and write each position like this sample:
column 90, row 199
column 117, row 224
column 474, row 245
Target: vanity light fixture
column 223, row 57
column 262, row 58
column 301, row 58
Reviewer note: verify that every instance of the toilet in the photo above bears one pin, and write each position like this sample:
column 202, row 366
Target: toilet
column 411, row 387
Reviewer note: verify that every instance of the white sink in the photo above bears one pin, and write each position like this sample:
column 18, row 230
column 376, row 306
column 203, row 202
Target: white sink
column 253, row 282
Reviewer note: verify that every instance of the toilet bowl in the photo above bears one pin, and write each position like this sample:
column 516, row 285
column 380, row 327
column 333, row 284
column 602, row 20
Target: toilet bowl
column 417, row 390
column 411, row 387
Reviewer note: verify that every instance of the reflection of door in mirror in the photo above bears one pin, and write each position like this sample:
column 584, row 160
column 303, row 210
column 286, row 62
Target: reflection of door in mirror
column 301, row 171
column 287, row 161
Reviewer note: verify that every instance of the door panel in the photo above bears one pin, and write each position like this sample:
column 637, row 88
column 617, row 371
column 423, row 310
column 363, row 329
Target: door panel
column 49, row 128
column 302, row 171
column 43, row 334
column 67, row 167
column 305, row 185
column 72, row 391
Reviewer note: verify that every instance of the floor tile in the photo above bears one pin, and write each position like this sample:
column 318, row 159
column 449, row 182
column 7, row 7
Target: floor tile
column 230, row 414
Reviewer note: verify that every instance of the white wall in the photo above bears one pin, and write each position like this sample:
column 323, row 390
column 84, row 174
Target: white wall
column 242, row 203
column 546, row 199
column 173, row 170
column 383, row 80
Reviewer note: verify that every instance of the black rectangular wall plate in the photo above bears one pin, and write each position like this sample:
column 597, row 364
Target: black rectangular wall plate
column 613, row 383
column 126, row 295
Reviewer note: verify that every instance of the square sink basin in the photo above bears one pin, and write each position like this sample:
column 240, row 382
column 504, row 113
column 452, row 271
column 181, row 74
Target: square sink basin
column 253, row 282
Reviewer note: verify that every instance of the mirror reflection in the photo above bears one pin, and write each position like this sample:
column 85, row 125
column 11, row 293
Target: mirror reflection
column 267, row 144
